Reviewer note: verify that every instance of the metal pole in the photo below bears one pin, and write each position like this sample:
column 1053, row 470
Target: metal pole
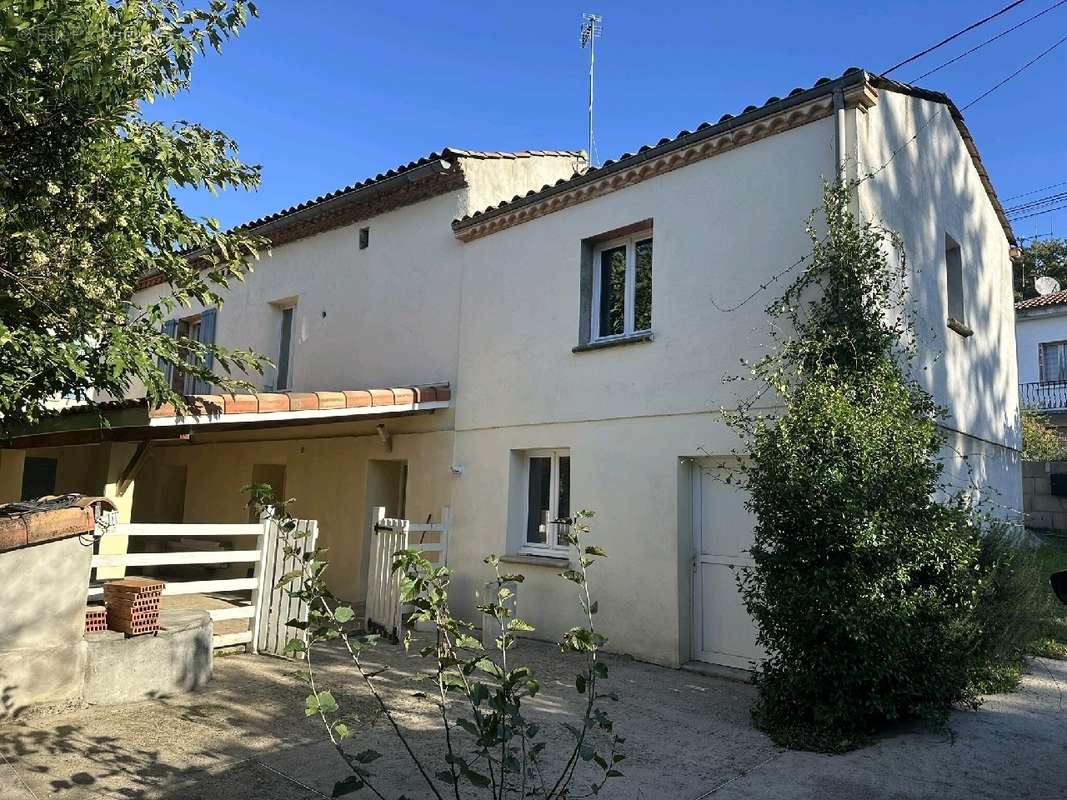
column 592, row 61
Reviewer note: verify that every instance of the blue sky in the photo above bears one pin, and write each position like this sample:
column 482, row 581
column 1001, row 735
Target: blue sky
column 325, row 93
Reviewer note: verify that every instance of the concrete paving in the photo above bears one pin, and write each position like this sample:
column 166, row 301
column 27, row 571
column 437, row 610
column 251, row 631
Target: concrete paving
column 688, row 737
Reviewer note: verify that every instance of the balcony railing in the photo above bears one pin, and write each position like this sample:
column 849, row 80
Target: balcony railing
column 1044, row 396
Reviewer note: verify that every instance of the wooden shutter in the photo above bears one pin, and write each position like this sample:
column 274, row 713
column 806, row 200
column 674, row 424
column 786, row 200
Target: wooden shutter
column 170, row 328
column 207, row 336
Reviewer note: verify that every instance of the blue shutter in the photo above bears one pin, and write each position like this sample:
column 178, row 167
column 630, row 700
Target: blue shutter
column 170, row 328
column 207, row 336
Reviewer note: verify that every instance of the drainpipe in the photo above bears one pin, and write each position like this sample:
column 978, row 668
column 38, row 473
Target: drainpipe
column 839, row 128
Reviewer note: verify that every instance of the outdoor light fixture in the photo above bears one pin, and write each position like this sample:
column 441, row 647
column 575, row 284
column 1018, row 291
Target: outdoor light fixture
column 386, row 437
column 1014, row 253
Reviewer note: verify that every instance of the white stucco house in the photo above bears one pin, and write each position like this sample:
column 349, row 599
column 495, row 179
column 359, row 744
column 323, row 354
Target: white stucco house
column 516, row 336
column 1041, row 346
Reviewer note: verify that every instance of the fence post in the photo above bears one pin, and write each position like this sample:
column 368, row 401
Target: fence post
column 375, row 585
column 261, row 598
column 446, row 531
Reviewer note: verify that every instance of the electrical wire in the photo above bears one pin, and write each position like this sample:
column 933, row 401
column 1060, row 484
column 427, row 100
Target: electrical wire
column 1035, row 191
column 1017, row 72
column 1043, row 201
column 956, row 35
column 988, row 41
column 1039, row 213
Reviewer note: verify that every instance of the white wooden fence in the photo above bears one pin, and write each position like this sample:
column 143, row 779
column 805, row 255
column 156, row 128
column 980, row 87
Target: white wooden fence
column 387, row 535
column 268, row 608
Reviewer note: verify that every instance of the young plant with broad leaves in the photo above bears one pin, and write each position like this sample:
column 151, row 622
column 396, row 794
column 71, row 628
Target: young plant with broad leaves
column 491, row 746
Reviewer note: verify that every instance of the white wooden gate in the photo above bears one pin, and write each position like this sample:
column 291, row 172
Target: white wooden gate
column 267, row 608
column 383, row 610
column 277, row 606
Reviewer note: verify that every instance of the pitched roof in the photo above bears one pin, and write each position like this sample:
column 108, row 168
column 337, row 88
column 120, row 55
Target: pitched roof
column 425, row 177
column 854, row 79
column 1043, row 301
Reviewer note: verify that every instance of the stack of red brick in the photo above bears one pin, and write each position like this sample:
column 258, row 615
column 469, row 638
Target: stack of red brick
column 95, row 619
column 133, row 605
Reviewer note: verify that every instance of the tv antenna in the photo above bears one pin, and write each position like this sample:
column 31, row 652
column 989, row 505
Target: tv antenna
column 591, row 30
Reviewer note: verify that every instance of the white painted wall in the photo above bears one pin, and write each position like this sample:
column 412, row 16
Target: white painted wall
column 630, row 415
column 384, row 316
column 1033, row 328
column 931, row 188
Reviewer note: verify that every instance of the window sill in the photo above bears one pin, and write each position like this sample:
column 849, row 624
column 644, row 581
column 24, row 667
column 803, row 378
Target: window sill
column 600, row 344
column 537, row 560
column 960, row 328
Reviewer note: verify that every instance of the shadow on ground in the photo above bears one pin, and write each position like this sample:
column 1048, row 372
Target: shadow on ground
column 688, row 737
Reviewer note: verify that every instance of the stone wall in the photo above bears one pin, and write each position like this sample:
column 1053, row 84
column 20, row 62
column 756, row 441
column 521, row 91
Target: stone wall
column 1043, row 509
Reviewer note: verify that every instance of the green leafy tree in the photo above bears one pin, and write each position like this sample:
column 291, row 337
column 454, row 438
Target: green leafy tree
column 1040, row 257
column 1041, row 442
column 864, row 587
column 87, row 205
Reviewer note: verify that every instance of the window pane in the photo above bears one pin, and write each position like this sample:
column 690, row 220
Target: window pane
column 563, row 510
column 643, row 286
column 540, row 490
column 612, row 291
column 284, row 347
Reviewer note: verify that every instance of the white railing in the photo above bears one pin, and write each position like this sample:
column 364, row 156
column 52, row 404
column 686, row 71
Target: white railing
column 268, row 608
column 383, row 610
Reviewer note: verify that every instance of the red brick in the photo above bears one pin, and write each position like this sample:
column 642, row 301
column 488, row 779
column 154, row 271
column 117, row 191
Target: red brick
column 240, row 404
column 381, row 397
column 331, row 399
column 272, row 401
column 357, row 399
column 403, row 397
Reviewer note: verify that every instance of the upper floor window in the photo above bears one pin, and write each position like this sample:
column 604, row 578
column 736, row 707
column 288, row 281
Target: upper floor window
column 1053, row 361
column 283, row 379
column 622, row 287
column 957, row 306
column 197, row 328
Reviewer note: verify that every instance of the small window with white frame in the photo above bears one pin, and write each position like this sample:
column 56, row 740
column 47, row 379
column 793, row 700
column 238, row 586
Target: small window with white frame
column 548, row 500
column 622, row 287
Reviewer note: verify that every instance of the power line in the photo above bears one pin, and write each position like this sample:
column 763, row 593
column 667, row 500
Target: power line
column 956, row 35
column 874, row 173
column 1039, row 213
column 988, row 41
column 1042, row 201
column 1017, row 72
column 1035, row 191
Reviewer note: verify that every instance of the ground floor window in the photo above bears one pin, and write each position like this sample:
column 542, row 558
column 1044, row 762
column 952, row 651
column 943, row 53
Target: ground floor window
column 548, row 499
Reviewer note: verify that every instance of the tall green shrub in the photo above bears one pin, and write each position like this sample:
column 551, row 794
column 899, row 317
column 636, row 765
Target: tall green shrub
column 864, row 586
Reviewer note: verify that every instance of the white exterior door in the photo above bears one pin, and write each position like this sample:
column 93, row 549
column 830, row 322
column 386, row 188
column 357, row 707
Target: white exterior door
column 723, row 632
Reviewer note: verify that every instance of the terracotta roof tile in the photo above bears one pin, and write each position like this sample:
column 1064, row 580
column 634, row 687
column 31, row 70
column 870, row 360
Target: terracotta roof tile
column 274, row 402
column 1043, row 301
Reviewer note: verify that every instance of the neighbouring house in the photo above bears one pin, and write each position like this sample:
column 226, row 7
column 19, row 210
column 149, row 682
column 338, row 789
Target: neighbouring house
column 1041, row 349
column 517, row 336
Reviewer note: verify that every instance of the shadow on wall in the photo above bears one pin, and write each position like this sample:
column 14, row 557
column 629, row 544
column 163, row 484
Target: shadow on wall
column 936, row 172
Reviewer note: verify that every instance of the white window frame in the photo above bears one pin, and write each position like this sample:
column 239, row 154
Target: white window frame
column 629, row 292
column 552, row 542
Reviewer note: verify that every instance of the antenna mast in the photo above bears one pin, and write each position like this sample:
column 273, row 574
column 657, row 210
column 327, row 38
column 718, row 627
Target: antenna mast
column 592, row 28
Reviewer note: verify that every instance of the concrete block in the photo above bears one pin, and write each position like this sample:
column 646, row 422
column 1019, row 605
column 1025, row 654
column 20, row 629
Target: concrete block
column 1042, row 485
column 1059, row 522
column 178, row 659
column 1046, row 502
column 1035, row 469
column 42, row 598
column 1039, row 519
column 1028, row 489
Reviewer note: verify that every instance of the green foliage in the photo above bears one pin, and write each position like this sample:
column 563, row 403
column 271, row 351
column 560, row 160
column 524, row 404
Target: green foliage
column 1041, row 442
column 86, row 203
column 1019, row 615
column 1040, row 257
column 490, row 745
column 864, row 587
